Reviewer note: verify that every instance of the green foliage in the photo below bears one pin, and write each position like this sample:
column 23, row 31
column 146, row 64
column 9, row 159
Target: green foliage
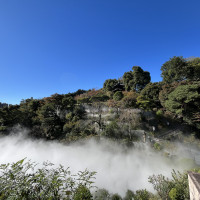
column 142, row 195
column 51, row 123
column 22, row 180
column 157, row 146
column 166, row 90
column 118, row 96
column 159, row 113
column 3, row 128
column 102, row 194
column 174, row 69
column 130, row 99
column 129, row 195
column 68, row 102
column 176, row 188
column 82, row 193
column 98, row 98
column 173, row 194
column 184, row 101
column 83, row 100
column 111, row 130
column 193, row 69
column 145, row 104
column 137, row 79
column 116, row 197
column 110, row 84
column 151, row 92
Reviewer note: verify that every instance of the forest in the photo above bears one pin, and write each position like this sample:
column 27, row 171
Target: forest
column 128, row 109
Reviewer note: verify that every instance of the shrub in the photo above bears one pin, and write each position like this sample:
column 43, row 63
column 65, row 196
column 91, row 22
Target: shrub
column 118, row 96
column 82, row 193
column 102, row 194
column 116, row 197
column 21, row 180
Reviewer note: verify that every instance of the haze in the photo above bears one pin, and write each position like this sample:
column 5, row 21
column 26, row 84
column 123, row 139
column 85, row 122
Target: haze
column 118, row 168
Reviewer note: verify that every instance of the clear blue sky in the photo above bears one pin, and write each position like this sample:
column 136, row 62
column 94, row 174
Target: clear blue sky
column 59, row 46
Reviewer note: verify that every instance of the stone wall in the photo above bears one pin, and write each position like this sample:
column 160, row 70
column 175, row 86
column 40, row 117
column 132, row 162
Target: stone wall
column 194, row 185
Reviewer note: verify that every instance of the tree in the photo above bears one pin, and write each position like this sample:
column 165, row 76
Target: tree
column 176, row 187
column 142, row 195
column 144, row 103
column 174, row 69
column 151, row 92
column 184, row 102
column 50, row 120
column 82, row 193
column 118, row 96
column 116, row 197
column 102, row 194
column 137, row 79
column 130, row 99
column 129, row 195
column 193, row 69
column 111, row 130
column 28, row 110
column 110, row 84
column 166, row 90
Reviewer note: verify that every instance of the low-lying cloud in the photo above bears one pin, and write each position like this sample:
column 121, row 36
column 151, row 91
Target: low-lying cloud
column 118, row 168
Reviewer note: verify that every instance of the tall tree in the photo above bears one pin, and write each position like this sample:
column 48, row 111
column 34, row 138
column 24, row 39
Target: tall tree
column 137, row 79
column 151, row 92
column 110, row 84
column 174, row 69
column 193, row 69
column 184, row 101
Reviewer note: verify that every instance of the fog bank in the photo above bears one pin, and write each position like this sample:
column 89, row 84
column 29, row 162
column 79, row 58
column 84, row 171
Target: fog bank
column 117, row 167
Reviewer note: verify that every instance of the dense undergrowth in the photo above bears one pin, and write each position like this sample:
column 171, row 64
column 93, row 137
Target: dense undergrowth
column 25, row 180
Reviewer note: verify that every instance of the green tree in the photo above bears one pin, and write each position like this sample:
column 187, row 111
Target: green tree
column 116, row 197
column 144, row 103
column 68, row 102
column 102, row 194
column 118, row 96
column 51, row 123
column 176, row 187
column 82, row 193
column 174, row 69
column 193, row 69
column 110, row 84
column 129, row 195
column 184, row 101
column 28, row 109
column 151, row 92
column 137, row 79
column 142, row 195
column 111, row 130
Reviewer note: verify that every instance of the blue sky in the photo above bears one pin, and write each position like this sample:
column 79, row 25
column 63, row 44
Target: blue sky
column 59, row 46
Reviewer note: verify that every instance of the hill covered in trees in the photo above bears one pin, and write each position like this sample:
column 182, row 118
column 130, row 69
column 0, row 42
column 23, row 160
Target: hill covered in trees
column 124, row 109
column 177, row 98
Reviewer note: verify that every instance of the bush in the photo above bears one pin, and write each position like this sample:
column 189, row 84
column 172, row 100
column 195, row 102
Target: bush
column 116, row 197
column 102, row 194
column 142, row 195
column 175, row 188
column 118, row 96
column 129, row 195
column 82, row 193
column 21, row 180
column 157, row 146
column 159, row 113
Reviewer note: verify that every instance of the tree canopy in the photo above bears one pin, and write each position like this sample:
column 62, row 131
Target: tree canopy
column 137, row 79
column 174, row 69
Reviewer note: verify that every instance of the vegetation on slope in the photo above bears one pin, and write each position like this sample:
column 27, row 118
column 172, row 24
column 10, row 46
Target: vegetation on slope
column 64, row 115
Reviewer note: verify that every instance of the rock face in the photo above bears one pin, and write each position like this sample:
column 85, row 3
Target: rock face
column 194, row 185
